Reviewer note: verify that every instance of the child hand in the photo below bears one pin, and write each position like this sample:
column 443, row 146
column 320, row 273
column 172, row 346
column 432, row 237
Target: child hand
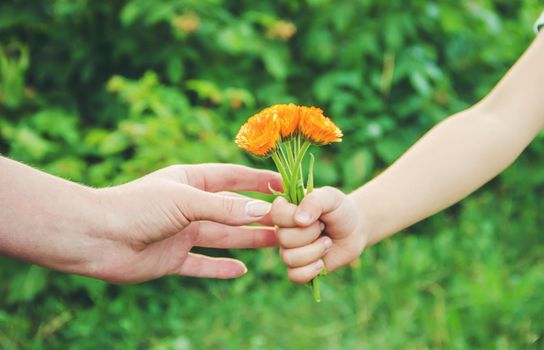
column 324, row 230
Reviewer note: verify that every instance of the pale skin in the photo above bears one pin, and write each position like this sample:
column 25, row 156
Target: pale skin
column 451, row 161
column 138, row 231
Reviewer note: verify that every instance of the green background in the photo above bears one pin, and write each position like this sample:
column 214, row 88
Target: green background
column 102, row 92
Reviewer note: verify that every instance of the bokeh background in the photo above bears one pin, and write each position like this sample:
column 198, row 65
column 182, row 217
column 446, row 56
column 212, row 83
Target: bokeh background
column 102, row 92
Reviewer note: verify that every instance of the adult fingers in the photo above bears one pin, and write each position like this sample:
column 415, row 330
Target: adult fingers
column 305, row 274
column 265, row 221
column 299, row 257
column 197, row 205
column 283, row 212
column 197, row 265
column 221, row 177
column 300, row 236
column 214, row 235
column 319, row 202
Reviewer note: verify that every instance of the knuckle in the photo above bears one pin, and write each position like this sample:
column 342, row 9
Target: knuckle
column 180, row 172
column 183, row 211
column 228, row 205
column 332, row 191
column 177, row 167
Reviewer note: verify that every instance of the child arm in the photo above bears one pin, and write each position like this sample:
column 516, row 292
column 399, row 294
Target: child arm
column 460, row 154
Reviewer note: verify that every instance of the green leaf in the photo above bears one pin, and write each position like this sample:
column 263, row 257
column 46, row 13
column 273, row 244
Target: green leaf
column 420, row 83
column 114, row 143
column 26, row 285
column 357, row 169
column 390, row 148
column 31, row 144
column 174, row 70
column 275, row 61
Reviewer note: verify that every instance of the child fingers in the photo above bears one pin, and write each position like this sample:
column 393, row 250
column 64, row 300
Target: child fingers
column 282, row 213
column 299, row 257
column 299, row 237
column 321, row 201
column 305, row 274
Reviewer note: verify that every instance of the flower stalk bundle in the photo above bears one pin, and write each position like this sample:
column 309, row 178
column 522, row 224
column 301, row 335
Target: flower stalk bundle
column 284, row 133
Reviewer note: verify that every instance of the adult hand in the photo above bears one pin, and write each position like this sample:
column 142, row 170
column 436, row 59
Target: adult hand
column 152, row 223
column 137, row 231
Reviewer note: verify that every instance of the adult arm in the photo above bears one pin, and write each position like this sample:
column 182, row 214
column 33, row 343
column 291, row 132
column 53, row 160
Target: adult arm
column 134, row 232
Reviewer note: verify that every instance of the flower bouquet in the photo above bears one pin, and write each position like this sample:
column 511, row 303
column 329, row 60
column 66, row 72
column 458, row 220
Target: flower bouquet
column 284, row 133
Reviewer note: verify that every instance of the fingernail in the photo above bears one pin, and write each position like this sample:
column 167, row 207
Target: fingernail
column 322, row 226
column 327, row 242
column 258, row 208
column 245, row 270
column 304, row 218
column 319, row 266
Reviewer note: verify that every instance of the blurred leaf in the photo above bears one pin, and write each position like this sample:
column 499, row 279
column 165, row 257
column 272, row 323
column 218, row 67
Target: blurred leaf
column 27, row 284
column 175, row 70
column 27, row 142
column 357, row 168
column 390, row 148
column 275, row 60
column 420, row 83
column 114, row 143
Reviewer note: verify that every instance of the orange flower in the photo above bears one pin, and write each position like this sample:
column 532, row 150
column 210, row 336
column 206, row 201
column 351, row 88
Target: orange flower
column 260, row 134
column 317, row 128
column 288, row 117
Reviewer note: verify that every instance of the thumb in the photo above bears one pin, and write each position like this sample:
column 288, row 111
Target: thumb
column 199, row 205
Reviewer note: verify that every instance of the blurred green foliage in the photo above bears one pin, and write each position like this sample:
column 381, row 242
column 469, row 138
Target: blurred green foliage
column 103, row 92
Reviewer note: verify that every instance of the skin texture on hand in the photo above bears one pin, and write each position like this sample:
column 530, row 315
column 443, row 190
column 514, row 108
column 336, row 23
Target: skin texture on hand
column 154, row 222
column 138, row 231
column 325, row 229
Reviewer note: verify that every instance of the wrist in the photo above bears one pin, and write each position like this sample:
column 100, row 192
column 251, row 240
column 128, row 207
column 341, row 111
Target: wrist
column 67, row 231
column 368, row 228
column 99, row 232
column 88, row 233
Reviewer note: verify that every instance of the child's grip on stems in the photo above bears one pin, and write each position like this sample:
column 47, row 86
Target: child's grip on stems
column 324, row 230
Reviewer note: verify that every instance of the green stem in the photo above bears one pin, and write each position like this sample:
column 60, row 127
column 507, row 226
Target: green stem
column 283, row 172
column 300, row 180
column 295, row 188
column 315, row 290
column 284, row 157
column 290, row 154
column 310, row 183
column 300, row 155
column 291, row 160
